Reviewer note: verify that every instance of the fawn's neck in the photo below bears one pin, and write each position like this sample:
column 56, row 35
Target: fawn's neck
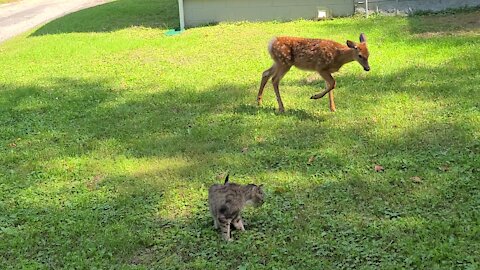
column 346, row 55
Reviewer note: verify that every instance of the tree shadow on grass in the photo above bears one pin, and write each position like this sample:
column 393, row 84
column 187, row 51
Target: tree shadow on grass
column 60, row 139
column 355, row 208
column 116, row 15
column 344, row 215
column 300, row 114
column 333, row 208
column 90, row 110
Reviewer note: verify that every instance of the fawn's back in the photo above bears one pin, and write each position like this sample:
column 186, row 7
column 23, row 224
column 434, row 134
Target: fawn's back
column 306, row 53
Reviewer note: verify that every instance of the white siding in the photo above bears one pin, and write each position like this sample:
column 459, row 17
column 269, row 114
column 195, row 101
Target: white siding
column 198, row 12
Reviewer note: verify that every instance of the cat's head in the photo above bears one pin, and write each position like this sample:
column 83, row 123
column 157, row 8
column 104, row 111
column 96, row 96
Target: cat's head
column 255, row 195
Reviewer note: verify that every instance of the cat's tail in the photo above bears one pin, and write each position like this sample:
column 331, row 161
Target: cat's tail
column 226, row 179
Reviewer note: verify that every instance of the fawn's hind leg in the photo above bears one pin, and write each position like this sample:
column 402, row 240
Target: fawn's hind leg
column 279, row 73
column 266, row 75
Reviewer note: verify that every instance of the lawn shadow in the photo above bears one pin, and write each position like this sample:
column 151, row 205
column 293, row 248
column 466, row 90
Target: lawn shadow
column 79, row 216
column 320, row 181
column 300, row 114
column 451, row 83
column 444, row 24
column 116, row 15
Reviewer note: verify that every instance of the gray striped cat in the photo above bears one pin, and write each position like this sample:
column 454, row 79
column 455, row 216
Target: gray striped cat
column 227, row 201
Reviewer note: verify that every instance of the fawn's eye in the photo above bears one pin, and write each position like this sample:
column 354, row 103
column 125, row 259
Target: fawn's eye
column 360, row 56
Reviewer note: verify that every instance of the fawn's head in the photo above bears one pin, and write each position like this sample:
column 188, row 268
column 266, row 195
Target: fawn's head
column 255, row 194
column 361, row 51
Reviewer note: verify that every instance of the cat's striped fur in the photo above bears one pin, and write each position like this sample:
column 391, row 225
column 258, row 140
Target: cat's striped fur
column 227, row 201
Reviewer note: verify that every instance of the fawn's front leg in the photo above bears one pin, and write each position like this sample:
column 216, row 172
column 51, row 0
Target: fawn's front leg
column 330, row 85
column 332, row 102
column 277, row 77
column 266, row 75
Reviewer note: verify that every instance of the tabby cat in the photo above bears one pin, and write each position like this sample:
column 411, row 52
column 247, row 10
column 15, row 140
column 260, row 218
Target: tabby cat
column 227, row 201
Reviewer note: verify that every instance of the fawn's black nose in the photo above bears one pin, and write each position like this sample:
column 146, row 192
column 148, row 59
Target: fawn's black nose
column 366, row 68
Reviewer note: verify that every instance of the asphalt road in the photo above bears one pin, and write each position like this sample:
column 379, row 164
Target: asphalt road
column 21, row 16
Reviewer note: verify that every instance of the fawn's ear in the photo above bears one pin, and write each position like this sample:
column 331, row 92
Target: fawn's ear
column 226, row 178
column 363, row 38
column 351, row 44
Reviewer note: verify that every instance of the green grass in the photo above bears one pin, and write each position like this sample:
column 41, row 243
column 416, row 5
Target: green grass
column 111, row 134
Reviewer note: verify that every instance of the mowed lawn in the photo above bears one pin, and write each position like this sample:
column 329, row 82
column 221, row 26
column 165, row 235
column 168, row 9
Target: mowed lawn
column 112, row 132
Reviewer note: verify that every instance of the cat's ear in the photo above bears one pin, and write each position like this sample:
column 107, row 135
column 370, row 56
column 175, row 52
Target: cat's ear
column 226, row 178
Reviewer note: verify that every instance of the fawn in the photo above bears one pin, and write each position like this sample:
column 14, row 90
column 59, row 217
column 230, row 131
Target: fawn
column 320, row 55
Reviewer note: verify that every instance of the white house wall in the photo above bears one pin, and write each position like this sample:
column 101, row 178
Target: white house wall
column 200, row 12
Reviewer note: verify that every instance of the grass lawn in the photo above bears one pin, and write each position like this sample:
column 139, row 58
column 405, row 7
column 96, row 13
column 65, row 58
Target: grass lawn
column 111, row 134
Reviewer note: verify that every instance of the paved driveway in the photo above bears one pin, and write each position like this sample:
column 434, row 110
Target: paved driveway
column 18, row 17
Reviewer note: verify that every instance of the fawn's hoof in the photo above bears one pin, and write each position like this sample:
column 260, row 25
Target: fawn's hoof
column 317, row 96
